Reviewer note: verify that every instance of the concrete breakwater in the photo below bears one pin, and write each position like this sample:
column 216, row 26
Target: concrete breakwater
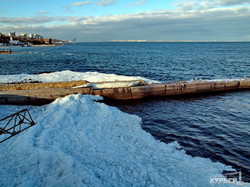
column 6, row 52
column 41, row 93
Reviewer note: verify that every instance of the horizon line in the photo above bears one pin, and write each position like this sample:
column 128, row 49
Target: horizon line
column 170, row 41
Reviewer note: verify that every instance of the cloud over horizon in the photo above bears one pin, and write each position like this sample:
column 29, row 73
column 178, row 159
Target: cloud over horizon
column 233, row 2
column 208, row 4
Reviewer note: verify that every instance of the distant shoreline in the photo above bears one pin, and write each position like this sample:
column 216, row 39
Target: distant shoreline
column 43, row 45
column 176, row 41
column 47, row 45
column 156, row 41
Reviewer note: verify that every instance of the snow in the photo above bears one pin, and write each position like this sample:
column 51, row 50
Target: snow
column 67, row 75
column 117, row 84
column 79, row 141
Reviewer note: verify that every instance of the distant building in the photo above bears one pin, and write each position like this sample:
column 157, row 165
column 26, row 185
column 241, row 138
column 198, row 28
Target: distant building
column 35, row 36
column 15, row 42
column 23, row 35
column 12, row 34
column 39, row 36
column 31, row 35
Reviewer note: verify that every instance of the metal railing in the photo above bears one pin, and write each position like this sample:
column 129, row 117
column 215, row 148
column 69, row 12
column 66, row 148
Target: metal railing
column 14, row 124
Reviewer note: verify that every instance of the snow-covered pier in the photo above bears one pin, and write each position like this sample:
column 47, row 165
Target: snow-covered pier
column 41, row 93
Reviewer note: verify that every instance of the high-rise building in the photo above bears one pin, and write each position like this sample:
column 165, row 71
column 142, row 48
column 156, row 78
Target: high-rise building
column 12, row 34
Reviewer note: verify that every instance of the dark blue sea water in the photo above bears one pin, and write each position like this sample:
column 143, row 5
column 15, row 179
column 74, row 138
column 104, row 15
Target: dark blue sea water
column 214, row 126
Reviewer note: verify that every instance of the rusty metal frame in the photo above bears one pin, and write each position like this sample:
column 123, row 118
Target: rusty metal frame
column 15, row 124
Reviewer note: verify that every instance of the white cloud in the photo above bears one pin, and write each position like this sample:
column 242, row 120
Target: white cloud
column 27, row 20
column 105, row 2
column 229, row 23
column 81, row 3
column 232, row 2
column 141, row 2
column 99, row 3
column 68, row 8
column 177, row 14
column 42, row 12
column 196, row 4
column 208, row 4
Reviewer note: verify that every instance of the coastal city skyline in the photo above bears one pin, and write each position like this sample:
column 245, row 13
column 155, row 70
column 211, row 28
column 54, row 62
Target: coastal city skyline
column 105, row 20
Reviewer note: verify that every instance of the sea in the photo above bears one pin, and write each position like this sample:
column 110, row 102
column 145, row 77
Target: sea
column 214, row 126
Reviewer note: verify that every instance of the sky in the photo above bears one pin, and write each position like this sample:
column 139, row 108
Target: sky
column 105, row 20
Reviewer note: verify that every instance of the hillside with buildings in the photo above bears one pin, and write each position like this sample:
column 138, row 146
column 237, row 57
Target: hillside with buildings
column 27, row 39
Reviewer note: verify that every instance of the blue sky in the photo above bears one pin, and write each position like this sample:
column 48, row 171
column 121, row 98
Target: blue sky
column 102, row 20
column 26, row 8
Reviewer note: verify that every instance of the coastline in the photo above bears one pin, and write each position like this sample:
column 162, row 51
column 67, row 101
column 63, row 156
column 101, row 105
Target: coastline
column 47, row 45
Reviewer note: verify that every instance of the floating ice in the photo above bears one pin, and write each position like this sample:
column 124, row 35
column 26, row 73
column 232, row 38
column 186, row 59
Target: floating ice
column 80, row 142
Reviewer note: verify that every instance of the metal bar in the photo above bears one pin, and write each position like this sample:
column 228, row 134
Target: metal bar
column 12, row 115
column 4, row 131
column 14, row 125
column 14, row 134
column 8, row 121
column 32, row 121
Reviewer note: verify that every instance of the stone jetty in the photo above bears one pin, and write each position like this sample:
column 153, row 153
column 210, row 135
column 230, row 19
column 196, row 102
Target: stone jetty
column 6, row 52
column 42, row 93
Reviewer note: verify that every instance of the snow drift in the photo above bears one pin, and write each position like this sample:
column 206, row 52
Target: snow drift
column 80, row 142
column 67, row 75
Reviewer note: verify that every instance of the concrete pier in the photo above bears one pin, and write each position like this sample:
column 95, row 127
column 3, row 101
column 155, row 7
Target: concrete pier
column 41, row 93
column 6, row 52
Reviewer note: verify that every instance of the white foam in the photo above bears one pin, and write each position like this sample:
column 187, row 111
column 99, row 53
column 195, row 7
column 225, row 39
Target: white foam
column 80, row 142
column 67, row 75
